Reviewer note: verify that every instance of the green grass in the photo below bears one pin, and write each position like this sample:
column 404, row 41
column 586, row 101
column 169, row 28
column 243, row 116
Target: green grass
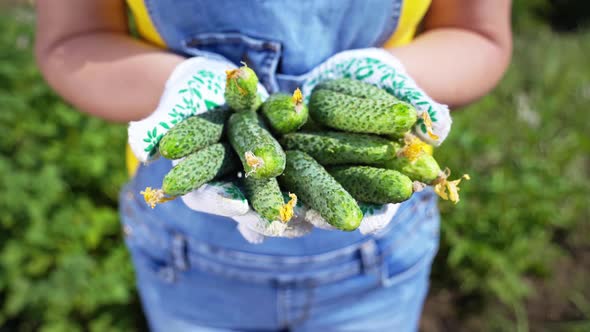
column 527, row 149
column 63, row 266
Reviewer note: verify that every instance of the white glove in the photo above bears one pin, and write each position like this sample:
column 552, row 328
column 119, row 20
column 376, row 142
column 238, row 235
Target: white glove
column 195, row 86
column 378, row 67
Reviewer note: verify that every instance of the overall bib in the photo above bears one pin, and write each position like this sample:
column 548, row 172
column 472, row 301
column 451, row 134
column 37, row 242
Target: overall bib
column 195, row 271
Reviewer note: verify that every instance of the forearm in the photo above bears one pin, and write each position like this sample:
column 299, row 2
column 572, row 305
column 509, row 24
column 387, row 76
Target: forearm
column 109, row 75
column 454, row 66
column 464, row 50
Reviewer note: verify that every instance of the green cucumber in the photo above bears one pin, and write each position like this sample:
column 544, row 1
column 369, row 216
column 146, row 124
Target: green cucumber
column 241, row 89
column 357, row 89
column 198, row 168
column 359, row 115
column 373, row 185
column 424, row 169
column 285, row 113
column 320, row 191
column 194, row 133
column 261, row 155
column 311, row 125
column 332, row 148
column 266, row 198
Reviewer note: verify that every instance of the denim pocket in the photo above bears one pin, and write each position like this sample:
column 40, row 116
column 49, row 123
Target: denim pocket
column 415, row 244
column 262, row 55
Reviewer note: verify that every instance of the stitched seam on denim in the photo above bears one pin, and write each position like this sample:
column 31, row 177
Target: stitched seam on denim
column 356, row 293
column 266, row 70
column 272, row 58
column 318, row 277
column 369, row 257
column 399, row 217
column 425, row 260
column 419, row 220
column 419, row 207
column 179, row 257
column 392, row 24
column 207, row 39
column 272, row 261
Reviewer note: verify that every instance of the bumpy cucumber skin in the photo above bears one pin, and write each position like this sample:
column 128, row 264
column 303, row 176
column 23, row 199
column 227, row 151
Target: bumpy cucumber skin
column 247, row 135
column 334, row 148
column 194, row 133
column 320, row 191
column 241, row 90
column 356, row 88
column 373, row 185
column 424, row 169
column 265, row 197
column 359, row 115
column 312, row 126
column 282, row 113
column 198, row 168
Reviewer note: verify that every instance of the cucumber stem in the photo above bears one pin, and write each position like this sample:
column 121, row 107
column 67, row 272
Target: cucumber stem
column 286, row 211
column 155, row 196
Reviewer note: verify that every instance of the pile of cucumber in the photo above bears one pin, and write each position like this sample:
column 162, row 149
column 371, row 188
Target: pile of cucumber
column 353, row 144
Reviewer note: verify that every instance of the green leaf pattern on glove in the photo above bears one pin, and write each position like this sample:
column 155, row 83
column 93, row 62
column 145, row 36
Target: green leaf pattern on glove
column 375, row 71
column 191, row 102
column 370, row 209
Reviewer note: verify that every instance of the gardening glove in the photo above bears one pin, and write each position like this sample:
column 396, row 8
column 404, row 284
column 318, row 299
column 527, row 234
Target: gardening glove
column 378, row 67
column 196, row 86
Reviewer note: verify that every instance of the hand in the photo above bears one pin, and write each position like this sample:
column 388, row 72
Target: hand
column 378, row 67
column 195, row 86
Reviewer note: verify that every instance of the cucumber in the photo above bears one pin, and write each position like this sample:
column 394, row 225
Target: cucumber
column 424, row 169
column 266, row 198
column 359, row 115
column 285, row 113
column 320, row 191
column 413, row 160
column 194, row 133
column 373, row 185
column 311, row 125
column 241, row 89
column 332, row 148
column 198, row 168
column 261, row 155
column 192, row 172
column 357, row 89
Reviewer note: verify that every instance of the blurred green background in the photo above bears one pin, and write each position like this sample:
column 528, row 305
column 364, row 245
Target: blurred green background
column 515, row 253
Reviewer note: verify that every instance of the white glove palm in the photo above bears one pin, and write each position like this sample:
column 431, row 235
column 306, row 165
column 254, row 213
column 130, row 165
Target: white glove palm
column 380, row 68
column 198, row 84
column 195, row 86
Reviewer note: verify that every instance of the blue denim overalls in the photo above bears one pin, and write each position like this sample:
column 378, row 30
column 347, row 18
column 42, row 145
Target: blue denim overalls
column 196, row 273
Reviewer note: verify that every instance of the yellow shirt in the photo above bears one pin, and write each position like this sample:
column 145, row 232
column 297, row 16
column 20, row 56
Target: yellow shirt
column 412, row 13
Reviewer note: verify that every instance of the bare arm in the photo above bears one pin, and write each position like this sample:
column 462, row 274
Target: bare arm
column 464, row 50
column 85, row 53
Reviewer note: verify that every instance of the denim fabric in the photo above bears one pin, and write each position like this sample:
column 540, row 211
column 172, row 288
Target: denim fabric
column 280, row 40
column 189, row 282
column 195, row 271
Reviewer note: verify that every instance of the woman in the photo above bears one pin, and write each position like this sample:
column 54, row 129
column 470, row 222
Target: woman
column 203, row 276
